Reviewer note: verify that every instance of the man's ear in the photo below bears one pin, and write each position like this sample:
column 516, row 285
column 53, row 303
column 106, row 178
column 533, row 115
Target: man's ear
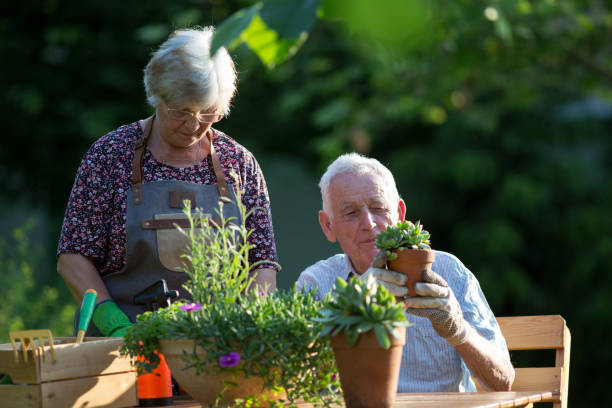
column 401, row 210
column 325, row 223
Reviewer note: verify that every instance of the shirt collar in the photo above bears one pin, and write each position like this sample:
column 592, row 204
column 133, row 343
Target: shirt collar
column 348, row 271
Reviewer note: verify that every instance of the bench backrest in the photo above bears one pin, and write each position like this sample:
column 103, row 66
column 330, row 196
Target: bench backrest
column 540, row 333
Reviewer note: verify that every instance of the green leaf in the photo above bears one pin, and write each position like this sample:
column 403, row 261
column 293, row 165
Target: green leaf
column 340, row 284
column 352, row 337
column 364, row 327
column 266, row 43
column 289, row 18
column 381, row 335
column 398, row 23
column 349, row 320
column 326, row 330
column 503, row 29
column 232, row 27
column 377, row 312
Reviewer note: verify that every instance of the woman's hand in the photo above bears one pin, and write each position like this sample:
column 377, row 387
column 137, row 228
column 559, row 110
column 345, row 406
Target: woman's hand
column 80, row 274
column 265, row 279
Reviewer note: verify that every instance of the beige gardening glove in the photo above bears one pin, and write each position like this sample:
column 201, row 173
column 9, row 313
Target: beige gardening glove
column 437, row 302
column 394, row 282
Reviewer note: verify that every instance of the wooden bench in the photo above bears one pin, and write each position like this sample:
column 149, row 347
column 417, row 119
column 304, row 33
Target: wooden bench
column 540, row 333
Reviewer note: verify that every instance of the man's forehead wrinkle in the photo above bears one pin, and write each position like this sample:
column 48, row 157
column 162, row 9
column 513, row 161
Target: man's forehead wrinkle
column 349, row 190
column 349, row 204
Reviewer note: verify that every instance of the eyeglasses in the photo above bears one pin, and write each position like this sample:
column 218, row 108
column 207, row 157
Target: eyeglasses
column 200, row 116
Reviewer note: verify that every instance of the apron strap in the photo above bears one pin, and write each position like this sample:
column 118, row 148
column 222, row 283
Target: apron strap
column 138, row 172
column 139, row 150
column 221, row 184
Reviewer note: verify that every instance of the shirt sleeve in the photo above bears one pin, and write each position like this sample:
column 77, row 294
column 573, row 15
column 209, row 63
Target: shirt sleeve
column 86, row 220
column 476, row 309
column 255, row 197
column 322, row 275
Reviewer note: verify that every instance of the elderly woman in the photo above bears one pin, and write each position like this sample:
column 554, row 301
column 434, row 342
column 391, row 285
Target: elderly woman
column 118, row 236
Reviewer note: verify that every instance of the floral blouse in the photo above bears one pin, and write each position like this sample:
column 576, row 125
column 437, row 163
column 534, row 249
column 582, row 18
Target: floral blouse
column 94, row 222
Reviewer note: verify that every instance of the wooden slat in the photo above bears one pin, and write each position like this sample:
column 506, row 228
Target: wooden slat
column 95, row 356
column 451, row 400
column 22, row 396
column 86, row 359
column 532, row 332
column 538, row 379
column 111, row 391
column 483, row 399
column 563, row 360
column 19, row 371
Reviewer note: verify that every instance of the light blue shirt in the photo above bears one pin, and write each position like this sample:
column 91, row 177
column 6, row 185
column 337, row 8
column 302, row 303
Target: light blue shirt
column 429, row 363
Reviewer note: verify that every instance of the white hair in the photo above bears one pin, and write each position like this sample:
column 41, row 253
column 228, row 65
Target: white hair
column 361, row 165
column 182, row 73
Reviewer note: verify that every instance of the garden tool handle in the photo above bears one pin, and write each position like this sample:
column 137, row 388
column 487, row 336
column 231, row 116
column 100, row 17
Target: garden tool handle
column 87, row 308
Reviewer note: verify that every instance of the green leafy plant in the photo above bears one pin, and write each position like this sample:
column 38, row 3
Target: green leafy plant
column 35, row 302
column 358, row 307
column 403, row 235
column 244, row 330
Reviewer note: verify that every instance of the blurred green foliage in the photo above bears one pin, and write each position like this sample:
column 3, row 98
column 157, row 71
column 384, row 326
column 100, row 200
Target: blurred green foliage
column 494, row 117
column 29, row 302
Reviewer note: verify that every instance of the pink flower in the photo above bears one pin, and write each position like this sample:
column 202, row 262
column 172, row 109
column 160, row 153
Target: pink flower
column 229, row 360
column 191, row 307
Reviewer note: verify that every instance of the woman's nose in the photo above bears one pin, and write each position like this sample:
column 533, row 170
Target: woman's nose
column 192, row 123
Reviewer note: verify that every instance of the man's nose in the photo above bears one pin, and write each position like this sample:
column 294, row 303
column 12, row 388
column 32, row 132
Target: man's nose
column 367, row 219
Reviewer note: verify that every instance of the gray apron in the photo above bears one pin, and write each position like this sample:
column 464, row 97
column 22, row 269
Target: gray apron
column 154, row 245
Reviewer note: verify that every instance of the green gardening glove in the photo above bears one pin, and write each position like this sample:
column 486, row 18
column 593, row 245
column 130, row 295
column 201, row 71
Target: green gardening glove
column 110, row 320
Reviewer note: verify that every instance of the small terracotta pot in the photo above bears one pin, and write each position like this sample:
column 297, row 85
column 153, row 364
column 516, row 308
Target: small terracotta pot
column 412, row 263
column 205, row 387
column 368, row 373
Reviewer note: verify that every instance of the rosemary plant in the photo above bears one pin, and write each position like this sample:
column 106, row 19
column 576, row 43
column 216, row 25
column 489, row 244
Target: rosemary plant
column 243, row 329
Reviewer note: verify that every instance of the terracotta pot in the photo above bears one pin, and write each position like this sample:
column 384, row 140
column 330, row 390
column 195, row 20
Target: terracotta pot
column 368, row 373
column 412, row 263
column 205, row 387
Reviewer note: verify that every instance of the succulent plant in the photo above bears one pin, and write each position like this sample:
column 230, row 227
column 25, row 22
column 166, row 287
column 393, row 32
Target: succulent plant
column 403, row 235
column 360, row 306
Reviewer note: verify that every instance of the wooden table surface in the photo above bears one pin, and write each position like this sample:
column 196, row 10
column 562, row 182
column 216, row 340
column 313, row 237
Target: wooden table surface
column 442, row 400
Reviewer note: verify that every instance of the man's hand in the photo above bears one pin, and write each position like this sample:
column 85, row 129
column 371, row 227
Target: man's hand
column 394, row 282
column 437, row 302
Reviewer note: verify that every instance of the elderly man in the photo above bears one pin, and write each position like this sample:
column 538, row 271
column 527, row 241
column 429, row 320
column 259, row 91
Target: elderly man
column 455, row 335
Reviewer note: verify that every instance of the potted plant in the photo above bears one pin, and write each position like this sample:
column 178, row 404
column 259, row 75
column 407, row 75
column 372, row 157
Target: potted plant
column 368, row 330
column 408, row 250
column 235, row 345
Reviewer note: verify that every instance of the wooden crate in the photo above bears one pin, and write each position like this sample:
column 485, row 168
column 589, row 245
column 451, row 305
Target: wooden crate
column 90, row 374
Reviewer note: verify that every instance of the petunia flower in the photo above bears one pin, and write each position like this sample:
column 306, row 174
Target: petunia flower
column 191, row 307
column 229, row 360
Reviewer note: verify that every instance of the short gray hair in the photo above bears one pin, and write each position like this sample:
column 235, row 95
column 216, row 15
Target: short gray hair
column 182, row 72
column 358, row 164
